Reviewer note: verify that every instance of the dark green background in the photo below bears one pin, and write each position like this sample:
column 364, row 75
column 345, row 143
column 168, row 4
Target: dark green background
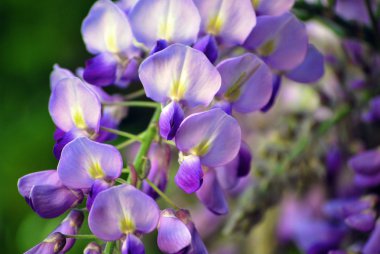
column 33, row 36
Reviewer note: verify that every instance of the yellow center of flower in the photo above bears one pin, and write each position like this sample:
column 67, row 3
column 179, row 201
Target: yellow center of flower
column 215, row 25
column 202, row 148
column 78, row 119
column 127, row 225
column 96, row 171
column 177, row 91
column 255, row 3
column 267, row 48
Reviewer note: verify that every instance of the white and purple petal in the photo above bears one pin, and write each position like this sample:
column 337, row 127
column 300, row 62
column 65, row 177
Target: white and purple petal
column 212, row 135
column 180, row 73
column 132, row 245
column 84, row 161
column 171, row 117
column 189, row 176
column 169, row 20
column 58, row 74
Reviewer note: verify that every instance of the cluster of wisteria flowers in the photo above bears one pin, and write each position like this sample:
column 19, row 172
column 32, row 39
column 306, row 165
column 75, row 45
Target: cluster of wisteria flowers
column 201, row 63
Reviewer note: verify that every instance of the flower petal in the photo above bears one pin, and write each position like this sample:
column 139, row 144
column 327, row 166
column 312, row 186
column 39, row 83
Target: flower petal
column 120, row 210
column 373, row 243
column 27, row 182
column 273, row 7
column 171, row 117
column 311, row 69
column 101, row 69
column 276, row 85
column 189, row 175
column 65, row 139
column 83, row 161
column 211, row 194
column 170, row 20
column 107, row 29
column 280, row 40
column 363, row 222
column 180, row 73
column 92, row 248
column 58, row 74
column 132, row 244
column 96, row 188
column 173, row 235
column 70, row 226
column 53, row 244
column 231, row 21
column 207, row 44
column 73, row 105
column 212, row 135
column 246, row 82
column 367, row 162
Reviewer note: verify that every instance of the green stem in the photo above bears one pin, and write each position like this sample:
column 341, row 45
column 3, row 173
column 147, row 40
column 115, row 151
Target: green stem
column 109, row 247
column 91, row 237
column 135, row 94
column 146, row 141
column 121, row 133
column 163, row 195
column 122, row 181
column 139, row 104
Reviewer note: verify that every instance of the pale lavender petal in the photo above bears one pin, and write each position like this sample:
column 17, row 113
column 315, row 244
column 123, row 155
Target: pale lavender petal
column 173, row 235
column 311, row 69
column 73, row 105
column 280, row 40
column 363, row 222
column 101, row 69
column 132, row 245
column 67, row 138
column 180, row 73
column 212, row 135
column 211, row 194
column 189, row 175
column 58, row 74
column 50, row 201
column 246, row 82
column 272, row 7
column 223, row 105
column 207, row 44
column 126, row 5
column 92, row 248
column 355, row 10
column 227, row 174
column 171, row 117
column 106, row 29
column 230, row 21
column 53, row 244
column 170, row 20
column 27, row 182
column 120, row 210
column 83, row 161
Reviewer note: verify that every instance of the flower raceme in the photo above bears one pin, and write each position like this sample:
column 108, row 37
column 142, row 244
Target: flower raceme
column 201, row 63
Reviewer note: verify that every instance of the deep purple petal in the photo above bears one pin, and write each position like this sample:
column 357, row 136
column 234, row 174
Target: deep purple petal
column 101, row 69
column 173, row 235
column 96, row 188
column 160, row 45
column 189, row 175
column 363, row 222
column 367, row 162
column 311, row 69
column 132, row 245
column 170, row 20
column 171, row 117
column 58, row 74
column 27, row 182
column 73, row 105
column 367, row 181
column 246, row 82
column 83, row 161
column 180, row 73
column 226, row 19
column 50, row 201
column 276, row 89
column 106, row 29
column 92, row 248
column 53, row 244
column 211, row 194
column 373, row 244
column 121, row 210
column 70, row 226
column 245, row 159
column 280, row 40
column 207, row 44
column 212, row 135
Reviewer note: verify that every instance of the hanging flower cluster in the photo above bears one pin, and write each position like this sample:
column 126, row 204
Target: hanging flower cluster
column 200, row 62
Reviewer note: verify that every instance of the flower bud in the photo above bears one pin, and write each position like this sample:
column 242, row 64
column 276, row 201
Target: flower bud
column 92, row 248
column 53, row 244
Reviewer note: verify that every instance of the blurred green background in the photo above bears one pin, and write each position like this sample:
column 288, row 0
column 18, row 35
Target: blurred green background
column 33, row 36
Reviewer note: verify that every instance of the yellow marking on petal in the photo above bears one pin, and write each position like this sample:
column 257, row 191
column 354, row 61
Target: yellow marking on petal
column 255, row 3
column 127, row 225
column 215, row 25
column 78, row 119
column 96, row 171
column 202, row 148
column 267, row 48
column 177, row 91
column 110, row 35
